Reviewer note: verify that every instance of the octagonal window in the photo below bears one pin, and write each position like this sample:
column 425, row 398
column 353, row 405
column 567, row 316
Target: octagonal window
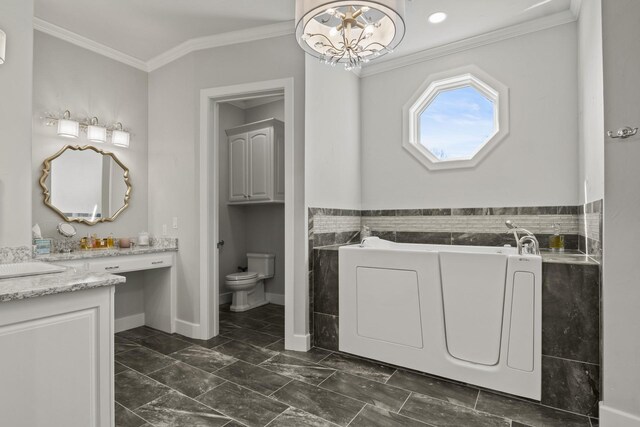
column 456, row 118
column 457, row 123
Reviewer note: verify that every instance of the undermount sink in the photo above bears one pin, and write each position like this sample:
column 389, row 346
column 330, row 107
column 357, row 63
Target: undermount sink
column 21, row 269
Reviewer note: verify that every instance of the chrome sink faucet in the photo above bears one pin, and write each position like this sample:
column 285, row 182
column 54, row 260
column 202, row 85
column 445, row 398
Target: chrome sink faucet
column 527, row 244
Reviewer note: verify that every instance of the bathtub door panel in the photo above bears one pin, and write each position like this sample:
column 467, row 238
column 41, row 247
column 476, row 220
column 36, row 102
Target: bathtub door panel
column 521, row 330
column 388, row 306
column 473, row 287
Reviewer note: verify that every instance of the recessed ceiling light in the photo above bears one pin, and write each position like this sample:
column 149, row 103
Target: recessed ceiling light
column 438, row 17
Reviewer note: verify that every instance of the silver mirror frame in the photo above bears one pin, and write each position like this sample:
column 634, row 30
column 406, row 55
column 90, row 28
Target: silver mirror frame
column 46, row 192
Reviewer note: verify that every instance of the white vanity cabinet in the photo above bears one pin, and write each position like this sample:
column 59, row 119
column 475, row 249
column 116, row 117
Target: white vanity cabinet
column 56, row 352
column 159, row 289
column 256, row 162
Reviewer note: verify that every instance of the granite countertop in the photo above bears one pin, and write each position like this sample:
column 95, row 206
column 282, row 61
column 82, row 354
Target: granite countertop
column 47, row 284
column 568, row 257
column 98, row 253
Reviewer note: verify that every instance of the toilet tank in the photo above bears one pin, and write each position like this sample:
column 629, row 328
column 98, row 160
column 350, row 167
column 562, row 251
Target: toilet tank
column 263, row 264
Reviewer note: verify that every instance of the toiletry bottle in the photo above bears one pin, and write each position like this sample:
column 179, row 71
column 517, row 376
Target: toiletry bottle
column 556, row 241
column 110, row 241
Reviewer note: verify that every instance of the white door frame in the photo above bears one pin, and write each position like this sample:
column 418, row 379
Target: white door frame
column 209, row 198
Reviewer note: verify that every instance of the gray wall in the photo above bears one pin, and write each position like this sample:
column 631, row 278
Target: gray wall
column 174, row 150
column 69, row 77
column 591, row 109
column 621, row 293
column 535, row 165
column 16, row 18
column 333, row 142
column 66, row 76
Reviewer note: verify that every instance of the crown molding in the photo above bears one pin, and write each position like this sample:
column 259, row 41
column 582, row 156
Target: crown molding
column 192, row 45
column 539, row 24
column 78, row 40
column 575, row 7
column 218, row 40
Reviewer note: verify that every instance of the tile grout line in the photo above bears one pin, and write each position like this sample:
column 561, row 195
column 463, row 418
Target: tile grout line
column 321, row 382
column 280, row 388
column 405, row 402
column 132, row 411
column 356, row 415
column 520, row 399
column 571, row 360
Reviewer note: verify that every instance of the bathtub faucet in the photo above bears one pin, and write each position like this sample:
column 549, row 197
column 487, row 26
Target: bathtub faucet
column 527, row 244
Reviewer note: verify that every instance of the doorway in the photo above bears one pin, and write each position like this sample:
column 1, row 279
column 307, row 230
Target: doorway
column 213, row 103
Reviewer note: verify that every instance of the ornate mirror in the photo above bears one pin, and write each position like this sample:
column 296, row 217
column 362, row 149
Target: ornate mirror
column 85, row 184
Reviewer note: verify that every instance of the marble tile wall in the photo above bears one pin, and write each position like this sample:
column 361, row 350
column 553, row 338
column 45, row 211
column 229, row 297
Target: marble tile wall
column 468, row 226
column 570, row 328
column 328, row 227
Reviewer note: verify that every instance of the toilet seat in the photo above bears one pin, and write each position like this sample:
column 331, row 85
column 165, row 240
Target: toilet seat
column 245, row 275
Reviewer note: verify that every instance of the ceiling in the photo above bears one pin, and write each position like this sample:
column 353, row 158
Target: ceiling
column 144, row 29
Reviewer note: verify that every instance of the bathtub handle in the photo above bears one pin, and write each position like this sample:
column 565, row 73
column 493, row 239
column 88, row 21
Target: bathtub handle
column 529, row 245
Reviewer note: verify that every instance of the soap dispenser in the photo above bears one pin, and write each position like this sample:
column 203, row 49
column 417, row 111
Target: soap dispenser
column 556, row 241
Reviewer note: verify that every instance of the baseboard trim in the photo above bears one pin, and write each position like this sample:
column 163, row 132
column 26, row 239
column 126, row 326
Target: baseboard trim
column 225, row 298
column 188, row 329
column 298, row 342
column 610, row 417
column 277, row 299
column 129, row 322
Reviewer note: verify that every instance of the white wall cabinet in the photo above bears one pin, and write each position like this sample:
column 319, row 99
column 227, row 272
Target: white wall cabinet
column 256, row 162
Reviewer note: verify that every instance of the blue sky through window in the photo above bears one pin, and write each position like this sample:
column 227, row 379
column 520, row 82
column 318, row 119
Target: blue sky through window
column 456, row 123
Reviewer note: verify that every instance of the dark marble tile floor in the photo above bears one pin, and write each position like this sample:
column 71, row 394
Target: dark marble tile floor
column 245, row 377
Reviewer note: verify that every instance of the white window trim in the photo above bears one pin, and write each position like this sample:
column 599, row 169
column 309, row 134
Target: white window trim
column 469, row 75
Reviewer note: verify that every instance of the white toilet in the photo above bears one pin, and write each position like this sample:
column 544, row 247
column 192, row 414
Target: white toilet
column 248, row 287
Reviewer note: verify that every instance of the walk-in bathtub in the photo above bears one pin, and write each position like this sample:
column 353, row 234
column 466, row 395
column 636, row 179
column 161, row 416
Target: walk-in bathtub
column 469, row 313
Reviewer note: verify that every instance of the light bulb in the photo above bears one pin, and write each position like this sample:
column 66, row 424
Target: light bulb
column 438, row 17
column 67, row 127
column 96, row 133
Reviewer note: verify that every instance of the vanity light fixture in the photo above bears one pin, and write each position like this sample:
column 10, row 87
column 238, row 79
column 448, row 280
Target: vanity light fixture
column 3, row 46
column 119, row 136
column 349, row 32
column 96, row 133
column 67, row 127
column 70, row 128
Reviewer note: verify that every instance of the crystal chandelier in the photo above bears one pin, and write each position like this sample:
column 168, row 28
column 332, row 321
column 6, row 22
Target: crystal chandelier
column 349, row 32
